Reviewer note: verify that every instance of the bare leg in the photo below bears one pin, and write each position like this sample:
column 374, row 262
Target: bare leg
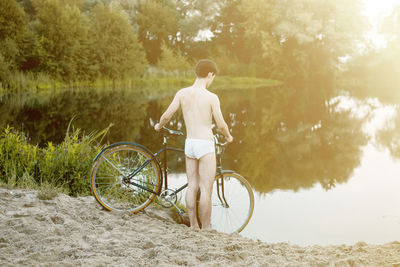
column 192, row 172
column 207, row 168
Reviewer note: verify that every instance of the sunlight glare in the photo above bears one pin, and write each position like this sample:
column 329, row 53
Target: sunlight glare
column 376, row 11
column 379, row 8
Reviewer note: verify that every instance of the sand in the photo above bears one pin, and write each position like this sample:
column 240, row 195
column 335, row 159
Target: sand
column 70, row 231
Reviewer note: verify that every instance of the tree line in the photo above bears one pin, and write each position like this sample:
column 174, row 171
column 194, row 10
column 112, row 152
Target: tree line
column 300, row 42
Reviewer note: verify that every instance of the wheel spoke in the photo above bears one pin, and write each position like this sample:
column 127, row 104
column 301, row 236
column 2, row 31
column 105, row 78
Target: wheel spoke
column 109, row 185
column 239, row 197
column 114, row 166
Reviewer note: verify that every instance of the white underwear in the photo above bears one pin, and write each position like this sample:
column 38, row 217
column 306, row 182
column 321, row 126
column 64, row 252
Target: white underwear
column 197, row 148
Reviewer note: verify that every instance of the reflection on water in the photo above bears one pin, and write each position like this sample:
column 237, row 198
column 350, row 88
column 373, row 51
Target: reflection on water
column 315, row 178
column 46, row 116
column 389, row 136
column 366, row 208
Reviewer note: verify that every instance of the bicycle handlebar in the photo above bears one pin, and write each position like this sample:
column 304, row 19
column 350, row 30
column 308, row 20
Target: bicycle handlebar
column 217, row 142
column 165, row 129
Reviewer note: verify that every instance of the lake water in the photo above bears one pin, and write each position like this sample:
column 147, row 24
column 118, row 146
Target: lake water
column 322, row 171
column 366, row 208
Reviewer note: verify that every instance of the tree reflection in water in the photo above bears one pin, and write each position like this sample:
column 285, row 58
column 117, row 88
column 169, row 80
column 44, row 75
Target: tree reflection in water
column 274, row 154
column 46, row 116
column 389, row 137
column 282, row 140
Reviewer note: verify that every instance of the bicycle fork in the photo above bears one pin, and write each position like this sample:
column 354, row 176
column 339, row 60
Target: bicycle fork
column 220, row 190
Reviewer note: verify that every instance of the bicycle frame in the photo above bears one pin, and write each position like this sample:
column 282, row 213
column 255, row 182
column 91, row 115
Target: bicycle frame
column 164, row 150
column 164, row 175
column 219, row 171
column 127, row 176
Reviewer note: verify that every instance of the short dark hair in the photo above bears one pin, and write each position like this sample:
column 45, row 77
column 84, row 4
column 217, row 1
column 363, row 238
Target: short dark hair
column 204, row 66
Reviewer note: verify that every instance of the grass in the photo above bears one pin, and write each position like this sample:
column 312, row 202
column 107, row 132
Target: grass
column 53, row 169
column 48, row 191
column 159, row 81
column 227, row 82
column 64, row 166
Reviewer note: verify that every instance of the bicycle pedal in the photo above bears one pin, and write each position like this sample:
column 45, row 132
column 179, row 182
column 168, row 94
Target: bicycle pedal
column 180, row 212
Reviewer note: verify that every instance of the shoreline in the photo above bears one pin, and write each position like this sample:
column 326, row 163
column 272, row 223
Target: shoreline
column 68, row 231
column 156, row 84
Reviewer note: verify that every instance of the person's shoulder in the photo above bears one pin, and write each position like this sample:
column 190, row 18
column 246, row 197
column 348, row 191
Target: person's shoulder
column 182, row 91
column 213, row 97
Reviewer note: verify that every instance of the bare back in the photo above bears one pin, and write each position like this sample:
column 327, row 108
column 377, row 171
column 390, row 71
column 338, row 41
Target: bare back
column 196, row 104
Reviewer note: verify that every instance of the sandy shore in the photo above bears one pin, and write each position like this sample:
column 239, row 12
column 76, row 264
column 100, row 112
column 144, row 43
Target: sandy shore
column 69, row 231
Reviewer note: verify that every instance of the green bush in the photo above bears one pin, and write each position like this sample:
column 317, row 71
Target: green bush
column 66, row 166
column 17, row 156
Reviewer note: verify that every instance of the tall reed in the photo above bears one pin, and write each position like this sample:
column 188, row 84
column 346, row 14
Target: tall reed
column 66, row 165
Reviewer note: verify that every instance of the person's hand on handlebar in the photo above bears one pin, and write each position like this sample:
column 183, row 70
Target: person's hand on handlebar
column 225, row 134
column 229, row 139
column 157, row 127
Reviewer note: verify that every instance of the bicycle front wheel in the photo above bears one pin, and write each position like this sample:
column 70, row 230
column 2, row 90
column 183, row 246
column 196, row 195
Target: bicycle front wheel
column 232, row 203
column 110, row 179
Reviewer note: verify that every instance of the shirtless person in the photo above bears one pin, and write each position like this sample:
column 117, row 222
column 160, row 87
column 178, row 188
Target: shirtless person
column 198, row 107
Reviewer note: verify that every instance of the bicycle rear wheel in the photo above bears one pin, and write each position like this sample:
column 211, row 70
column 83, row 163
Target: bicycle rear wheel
column 111, row 185
column 232, row 203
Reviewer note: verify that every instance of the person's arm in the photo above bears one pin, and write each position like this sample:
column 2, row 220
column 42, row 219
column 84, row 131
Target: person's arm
column 219, row 119
column 166, row 117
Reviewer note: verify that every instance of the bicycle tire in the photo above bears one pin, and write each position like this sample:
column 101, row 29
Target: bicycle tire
column 108, row 178
column 240, row 199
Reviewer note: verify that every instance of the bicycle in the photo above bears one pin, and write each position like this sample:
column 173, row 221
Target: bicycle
column 127, row 177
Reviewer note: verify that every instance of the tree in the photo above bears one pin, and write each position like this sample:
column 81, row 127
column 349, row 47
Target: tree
column 12, row 20
column 175, row 23
column 260, row 20
column 233, row 52
column 172, row 60
column 376, row 71
column 158, row 23
column 303, row 41
column 228, row 30
column 304, row 37
column 61, row 39
column 12, row 31
column 115, row 50
column 130, row 7
column 195, row 15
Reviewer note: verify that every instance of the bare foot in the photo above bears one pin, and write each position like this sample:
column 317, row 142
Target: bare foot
column 205, row 227
column 195, row 227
